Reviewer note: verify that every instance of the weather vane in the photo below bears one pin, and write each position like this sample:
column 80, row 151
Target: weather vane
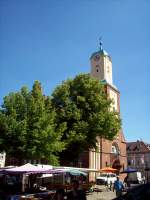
column 100, row 43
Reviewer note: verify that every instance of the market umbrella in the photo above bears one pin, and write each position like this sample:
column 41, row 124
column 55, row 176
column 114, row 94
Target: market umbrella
column 74, row 172
column 108, row 169
column 27, row 169
column 128, row 170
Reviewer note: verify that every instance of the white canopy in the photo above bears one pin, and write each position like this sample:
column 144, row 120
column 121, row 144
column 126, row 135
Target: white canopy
column 28, row 168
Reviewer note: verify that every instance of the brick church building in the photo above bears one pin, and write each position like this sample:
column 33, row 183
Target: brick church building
column 108, row 153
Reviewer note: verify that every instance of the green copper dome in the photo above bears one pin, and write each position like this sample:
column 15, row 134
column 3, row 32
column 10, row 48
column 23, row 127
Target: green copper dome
column 100, row 52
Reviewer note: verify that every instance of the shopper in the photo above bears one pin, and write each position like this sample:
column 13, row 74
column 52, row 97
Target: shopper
column 118, row 187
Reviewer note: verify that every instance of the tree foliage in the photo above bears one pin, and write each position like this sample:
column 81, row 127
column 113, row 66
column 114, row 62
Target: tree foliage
column 34, row 126
column 83, row 106
column 27, row 126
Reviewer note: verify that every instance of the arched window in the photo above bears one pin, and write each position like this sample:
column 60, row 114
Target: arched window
column 114, row 149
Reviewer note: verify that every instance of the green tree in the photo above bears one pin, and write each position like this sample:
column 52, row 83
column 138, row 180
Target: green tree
column 84, row 107
column 27, row 126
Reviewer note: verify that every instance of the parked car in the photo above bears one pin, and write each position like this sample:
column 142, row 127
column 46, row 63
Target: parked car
column 135, row 177
column 106, row 178
column 140, row 192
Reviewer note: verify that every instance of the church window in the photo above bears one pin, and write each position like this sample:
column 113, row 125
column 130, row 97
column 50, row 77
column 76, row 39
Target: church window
column 113, row 149
column 97, row 68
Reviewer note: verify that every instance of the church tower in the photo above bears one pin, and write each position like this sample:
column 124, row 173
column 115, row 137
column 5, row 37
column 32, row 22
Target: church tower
column 101, row 69
column 111, row 153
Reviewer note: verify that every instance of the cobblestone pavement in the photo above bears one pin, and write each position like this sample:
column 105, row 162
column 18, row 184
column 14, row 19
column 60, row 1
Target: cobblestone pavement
column 102, row 194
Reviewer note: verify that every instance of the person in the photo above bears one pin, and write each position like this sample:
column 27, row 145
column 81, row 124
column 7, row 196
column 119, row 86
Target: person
column 76, row 193
column 118, row 187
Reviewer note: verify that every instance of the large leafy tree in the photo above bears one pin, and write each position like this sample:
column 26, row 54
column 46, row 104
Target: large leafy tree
column 83, row 106
column 27, row 126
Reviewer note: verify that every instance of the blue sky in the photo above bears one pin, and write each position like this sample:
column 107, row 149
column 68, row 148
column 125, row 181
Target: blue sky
column 52, row 40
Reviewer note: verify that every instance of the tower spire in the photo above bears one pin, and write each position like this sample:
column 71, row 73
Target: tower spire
column 100, row 43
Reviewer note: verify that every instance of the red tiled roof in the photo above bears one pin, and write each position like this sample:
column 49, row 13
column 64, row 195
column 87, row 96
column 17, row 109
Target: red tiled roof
column 138, row 146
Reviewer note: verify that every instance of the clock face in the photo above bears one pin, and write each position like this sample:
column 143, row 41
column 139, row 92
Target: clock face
column 97, row 57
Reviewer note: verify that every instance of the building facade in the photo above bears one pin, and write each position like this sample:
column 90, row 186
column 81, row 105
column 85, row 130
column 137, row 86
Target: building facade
column 138, row 157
